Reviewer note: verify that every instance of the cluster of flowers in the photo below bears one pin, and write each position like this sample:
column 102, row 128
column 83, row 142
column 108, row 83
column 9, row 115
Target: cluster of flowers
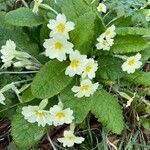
column 58, row 46
column 105, row 40
column 19, row 59
column 56, row 116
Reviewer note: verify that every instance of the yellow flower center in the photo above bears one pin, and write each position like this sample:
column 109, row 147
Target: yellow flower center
column 100, row 8
column 131, row 62
column 60, row 115
column 39, row 113
column 107, row 33
column 85, row 88
column 88, row 68
column 105, row 42
column 61, row 27
column 58, row 46
column 71, row 138
column 74, row 63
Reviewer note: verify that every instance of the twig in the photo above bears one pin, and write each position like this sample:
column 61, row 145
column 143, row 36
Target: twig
column 49, row 139
column 112, row 145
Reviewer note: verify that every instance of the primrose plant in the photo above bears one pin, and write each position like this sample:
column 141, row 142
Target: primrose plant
column 64, row 59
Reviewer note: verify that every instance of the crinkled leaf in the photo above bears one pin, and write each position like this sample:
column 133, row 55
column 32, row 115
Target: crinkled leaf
column 3, row 22
column 123, row 22
column 24, row 17
column 139, row 17
column 145, row 122
column 132, row 31
column 88, row 26
column 50, row 80
column 139, row 78
column 108, row 111
column 88, row 31
column 25, row 134
column 75, row 8
column 109, row 68
column 27, row 95
column 129, row 44
column 145, row 54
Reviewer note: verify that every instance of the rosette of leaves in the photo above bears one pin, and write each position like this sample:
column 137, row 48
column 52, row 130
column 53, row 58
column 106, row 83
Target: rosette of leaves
column 21, row 25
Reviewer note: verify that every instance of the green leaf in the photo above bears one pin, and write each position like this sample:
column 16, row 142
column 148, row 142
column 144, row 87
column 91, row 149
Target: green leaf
column 103, row 105
column 27, row 95
column 88, row 31
column 139, row 78
column 75, row 8
column 44, row 33
column 145, row 122
column 50, row 80
column 88, row 26
column 24, row 17
column 106, row 108
column 139, row 17
column 22, row 40
column 7, row 110
column 25, row 134
column 129, row 44
column 123, row 22
column 109, row 68
column 145, row 55
column 132, row 31
column 148, row 106
column 3, row 22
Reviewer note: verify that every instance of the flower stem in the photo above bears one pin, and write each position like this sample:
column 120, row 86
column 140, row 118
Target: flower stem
column 121, row 57
column 23, row 81
column 22, row 72
column 116, row 18
column 24, row 3
column 92, row 1
column 108, row 13
column 49, row 139
column 9, row 107
column 45, row 6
